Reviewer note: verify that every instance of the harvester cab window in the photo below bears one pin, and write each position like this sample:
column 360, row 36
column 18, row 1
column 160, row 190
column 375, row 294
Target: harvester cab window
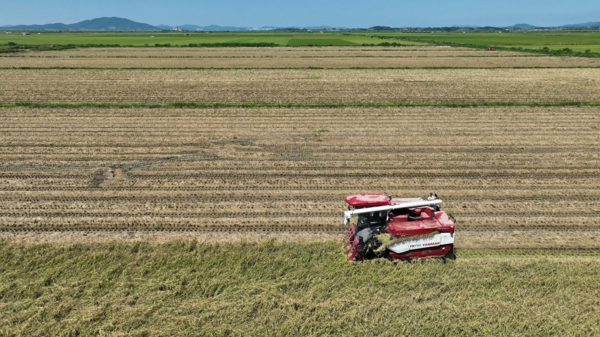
column 372, row 219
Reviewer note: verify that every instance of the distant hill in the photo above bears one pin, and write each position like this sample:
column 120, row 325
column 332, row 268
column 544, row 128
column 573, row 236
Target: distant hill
column 381, row 28
column 577, row 25
column 111, row 24
column 217, row 28
column 50, row 26
column 323, row 27
column 100, row 24
column 213, row 28
column 121, row 24
column 522, row 26
column 583, row 25
column 491, row 28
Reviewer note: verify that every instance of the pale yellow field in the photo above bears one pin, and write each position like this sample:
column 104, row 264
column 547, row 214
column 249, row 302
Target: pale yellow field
column 529, row 176
column 299, row 62
column 302, row 86
column 280, row 52
column 327, row 57
column 520, row 172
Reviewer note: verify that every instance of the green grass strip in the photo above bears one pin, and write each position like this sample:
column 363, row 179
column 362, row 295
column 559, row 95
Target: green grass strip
column 544, row 51
column 175, row 105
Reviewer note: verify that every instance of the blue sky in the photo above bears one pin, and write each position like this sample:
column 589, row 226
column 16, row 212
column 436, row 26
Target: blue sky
column 347, row 13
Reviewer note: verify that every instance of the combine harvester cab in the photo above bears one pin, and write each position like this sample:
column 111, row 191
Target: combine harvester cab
column 398, row 228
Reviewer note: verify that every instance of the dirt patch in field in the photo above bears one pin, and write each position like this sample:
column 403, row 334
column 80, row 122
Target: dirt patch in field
column 101, row 176
column 107, row 177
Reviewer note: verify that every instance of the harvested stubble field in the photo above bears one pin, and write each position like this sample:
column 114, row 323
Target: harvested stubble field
column 265, row 52
column 153, row 220
column 521, row 169
column 315, row 86
column 331, row 57
column 300, row 62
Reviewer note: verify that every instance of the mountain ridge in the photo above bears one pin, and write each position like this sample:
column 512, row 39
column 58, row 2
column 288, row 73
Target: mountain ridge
column 122, row 24
column 583, row 25
column 98, row 24
column 191, row 27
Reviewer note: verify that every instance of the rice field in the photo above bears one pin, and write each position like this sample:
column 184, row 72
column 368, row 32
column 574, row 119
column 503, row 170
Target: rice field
column 303, row 62
column 297, row 86
column 271, row 53
column 209, row 201
column 307, row 288
column 180, row 39
column 501, row 168
column 506, row 39
column 274, row 58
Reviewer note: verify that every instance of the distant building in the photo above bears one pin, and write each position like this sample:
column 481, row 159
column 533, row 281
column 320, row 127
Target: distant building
column 8, row 33
column 177, row 29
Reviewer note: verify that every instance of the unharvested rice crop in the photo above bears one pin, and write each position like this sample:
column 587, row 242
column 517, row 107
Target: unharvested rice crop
column 192, row 287
column 380, row 86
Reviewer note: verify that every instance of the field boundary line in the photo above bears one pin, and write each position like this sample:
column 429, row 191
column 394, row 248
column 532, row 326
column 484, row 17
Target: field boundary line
column 72, row 57
column 196, row 105
column 293, row 68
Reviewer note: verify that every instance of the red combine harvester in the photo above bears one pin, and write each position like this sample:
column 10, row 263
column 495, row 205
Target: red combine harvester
column 398, row 228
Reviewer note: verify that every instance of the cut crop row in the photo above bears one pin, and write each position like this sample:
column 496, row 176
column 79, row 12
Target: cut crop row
column 301, row 86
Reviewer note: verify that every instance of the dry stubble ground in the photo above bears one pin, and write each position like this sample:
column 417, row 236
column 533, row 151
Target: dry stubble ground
column 522, row 181
column 520, row 171
column 286, row 58
column 381, row 86
column 264, row 52
column 300, row 62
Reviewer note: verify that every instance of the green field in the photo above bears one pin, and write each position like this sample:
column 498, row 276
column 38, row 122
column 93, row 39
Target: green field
column 502, row 39
column 576, row 48
column 278, row 288
column 576, row 41
column 142, row 39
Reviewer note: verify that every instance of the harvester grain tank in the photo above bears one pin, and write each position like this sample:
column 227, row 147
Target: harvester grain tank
column 401, row 228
